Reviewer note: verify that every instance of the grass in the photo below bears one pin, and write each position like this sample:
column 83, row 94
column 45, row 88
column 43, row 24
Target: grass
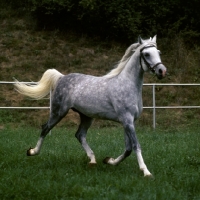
column 61, row 171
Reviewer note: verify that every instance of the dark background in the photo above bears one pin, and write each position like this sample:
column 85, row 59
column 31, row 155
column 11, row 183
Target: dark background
column 115, row 19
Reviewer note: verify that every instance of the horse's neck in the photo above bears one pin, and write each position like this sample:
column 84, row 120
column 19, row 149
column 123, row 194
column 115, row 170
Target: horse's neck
column 134, row 72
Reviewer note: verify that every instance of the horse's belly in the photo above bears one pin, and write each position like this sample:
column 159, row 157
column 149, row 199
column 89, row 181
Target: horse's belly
column 105, row 115
column 97, row 111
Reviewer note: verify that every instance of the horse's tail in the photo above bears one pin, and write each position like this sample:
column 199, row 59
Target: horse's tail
column 42, row 88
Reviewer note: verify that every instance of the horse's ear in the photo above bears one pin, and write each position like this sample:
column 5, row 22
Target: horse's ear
column 154, row 39
column 140, row 40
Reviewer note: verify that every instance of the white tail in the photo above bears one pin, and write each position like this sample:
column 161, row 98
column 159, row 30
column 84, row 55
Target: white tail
column 42, row 88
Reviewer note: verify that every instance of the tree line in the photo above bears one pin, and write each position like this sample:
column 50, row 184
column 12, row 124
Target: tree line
column 120, row 19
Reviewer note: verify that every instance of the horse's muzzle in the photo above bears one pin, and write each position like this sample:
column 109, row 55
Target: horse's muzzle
column 160, row 71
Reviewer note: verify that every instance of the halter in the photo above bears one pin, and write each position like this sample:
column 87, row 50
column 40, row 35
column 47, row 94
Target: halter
column 148, row 65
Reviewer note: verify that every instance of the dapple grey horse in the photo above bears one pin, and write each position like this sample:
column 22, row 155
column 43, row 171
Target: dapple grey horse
column 116, row 96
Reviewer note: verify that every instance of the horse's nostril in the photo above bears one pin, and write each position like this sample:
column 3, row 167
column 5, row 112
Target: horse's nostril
column 160, row 71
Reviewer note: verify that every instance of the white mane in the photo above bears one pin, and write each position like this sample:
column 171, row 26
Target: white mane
column 129, row 52
column 122, row 63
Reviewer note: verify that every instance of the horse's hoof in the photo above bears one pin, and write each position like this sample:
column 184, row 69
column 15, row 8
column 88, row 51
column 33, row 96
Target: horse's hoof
column 92, row 164
column 28, row 153
column 150, row 176
column 105, row 161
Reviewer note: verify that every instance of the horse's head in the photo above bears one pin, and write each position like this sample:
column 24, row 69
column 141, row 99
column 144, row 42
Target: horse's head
column 150, row 57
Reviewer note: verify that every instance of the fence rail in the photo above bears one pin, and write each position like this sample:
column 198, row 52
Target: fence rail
column 153, row 107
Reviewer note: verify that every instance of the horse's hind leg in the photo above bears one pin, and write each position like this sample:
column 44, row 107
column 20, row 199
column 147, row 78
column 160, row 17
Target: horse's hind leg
column 55, row 117
column 36, row 150
column 81, row 136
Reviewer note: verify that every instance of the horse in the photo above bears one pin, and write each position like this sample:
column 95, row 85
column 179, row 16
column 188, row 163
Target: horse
column 116, row 96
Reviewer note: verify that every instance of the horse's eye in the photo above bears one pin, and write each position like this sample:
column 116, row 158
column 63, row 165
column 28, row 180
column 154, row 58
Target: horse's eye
column 146, row 54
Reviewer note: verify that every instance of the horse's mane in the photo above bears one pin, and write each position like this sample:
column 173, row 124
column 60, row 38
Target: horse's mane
column 122, row 63
column 128, row 53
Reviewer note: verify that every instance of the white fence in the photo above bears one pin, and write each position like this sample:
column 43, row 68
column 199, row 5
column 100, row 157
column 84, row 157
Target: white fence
column 153, row 107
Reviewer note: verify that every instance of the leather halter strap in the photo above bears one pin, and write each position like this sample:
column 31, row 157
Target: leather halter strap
column 142, row 57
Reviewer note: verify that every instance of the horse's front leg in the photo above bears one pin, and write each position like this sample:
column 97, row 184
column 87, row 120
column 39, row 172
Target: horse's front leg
column 131, row 143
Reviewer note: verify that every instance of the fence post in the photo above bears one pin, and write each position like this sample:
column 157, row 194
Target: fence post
column 154, row 107
column 50, row 105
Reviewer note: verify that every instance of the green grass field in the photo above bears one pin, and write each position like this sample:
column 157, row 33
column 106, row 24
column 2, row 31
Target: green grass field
column 61, row 171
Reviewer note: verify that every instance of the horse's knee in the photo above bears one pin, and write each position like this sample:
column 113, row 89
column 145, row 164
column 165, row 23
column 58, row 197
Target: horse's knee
column 137, row 148
column 127, row 153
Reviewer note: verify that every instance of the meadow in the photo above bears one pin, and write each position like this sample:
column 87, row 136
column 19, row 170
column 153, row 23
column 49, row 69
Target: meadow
column 61, row 170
